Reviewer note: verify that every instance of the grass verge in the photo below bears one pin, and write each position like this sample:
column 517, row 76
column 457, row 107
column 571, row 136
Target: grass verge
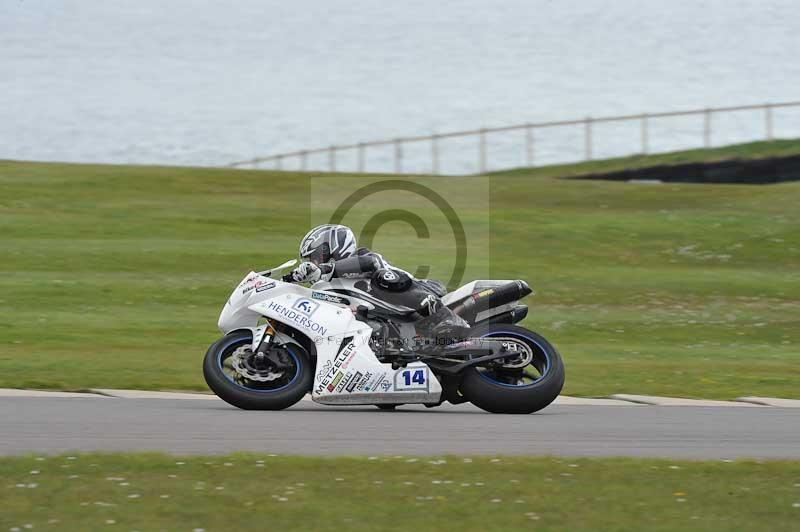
column 258, row 492
column 113, row 276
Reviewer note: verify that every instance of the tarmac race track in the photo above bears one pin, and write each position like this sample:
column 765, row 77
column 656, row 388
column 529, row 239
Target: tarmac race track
column 55, row 425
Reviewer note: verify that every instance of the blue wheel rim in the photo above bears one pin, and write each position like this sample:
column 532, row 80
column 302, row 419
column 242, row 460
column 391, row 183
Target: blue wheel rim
column 484, row 374
column 235, row 341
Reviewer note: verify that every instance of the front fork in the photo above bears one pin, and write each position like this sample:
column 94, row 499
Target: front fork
column 262, row 341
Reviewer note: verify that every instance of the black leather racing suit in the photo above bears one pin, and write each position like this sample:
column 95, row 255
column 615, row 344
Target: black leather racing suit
column 366, row 264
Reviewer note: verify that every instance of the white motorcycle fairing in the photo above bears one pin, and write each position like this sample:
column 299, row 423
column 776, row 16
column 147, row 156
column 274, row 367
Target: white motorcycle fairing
column 347, row 370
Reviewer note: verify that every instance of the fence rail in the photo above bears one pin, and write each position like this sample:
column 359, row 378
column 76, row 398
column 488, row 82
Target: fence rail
column 644, row 119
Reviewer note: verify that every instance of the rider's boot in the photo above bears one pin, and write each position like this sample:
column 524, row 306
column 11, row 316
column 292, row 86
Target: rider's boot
column 442, row 328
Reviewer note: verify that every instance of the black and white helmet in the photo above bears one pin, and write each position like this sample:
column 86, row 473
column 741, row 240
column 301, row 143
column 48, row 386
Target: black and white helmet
column 328, row 242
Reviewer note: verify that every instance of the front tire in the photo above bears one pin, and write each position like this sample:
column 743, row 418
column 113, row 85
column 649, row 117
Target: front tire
column 507, row 395
column 251, row 396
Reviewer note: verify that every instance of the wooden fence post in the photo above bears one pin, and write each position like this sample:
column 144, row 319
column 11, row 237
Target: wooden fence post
column 529, row 158
column 435, row 154
column 482, row 151
column 398, row 156
column 707, row 128
column 587, row 133
column 768, row 120
column 361, row 165
column 645, row 134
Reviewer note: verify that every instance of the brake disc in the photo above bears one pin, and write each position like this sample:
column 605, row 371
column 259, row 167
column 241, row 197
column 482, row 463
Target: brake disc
column 238, row 361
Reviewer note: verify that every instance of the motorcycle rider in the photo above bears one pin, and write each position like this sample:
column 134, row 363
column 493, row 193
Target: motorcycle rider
column 329, row 251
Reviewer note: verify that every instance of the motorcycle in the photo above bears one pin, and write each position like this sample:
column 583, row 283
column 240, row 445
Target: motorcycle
column 349, row 342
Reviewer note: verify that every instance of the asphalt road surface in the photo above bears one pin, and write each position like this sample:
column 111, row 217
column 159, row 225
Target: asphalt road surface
column 55, row 425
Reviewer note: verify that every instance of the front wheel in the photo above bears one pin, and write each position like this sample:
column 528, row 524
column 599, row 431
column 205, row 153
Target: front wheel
column 520, row 384
column 272, row 382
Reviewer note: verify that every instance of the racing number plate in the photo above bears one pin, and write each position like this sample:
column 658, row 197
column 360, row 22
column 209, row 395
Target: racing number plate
column 412, row 378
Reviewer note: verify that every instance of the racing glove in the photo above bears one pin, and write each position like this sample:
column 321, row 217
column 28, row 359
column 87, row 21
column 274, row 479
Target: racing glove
column 307, row 272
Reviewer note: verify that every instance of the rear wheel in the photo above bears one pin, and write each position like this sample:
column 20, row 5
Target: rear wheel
column 520, row 384
column 245, row 380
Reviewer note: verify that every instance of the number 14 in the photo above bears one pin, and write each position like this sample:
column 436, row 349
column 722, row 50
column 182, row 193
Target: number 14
column 418, row 377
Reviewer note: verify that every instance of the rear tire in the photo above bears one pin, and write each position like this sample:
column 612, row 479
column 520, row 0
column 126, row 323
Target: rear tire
column 500, row 398
column 248, row 398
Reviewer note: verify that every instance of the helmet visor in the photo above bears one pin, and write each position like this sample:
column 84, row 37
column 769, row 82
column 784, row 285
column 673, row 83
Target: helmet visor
column 319, row 255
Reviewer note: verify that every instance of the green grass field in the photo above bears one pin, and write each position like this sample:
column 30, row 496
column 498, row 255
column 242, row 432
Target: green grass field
column 113, row 276
column 267, row 492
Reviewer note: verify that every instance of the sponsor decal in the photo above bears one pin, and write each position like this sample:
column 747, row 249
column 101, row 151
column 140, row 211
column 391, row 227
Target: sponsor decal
column 348, row 357
column 385, row 385
column 306, row 306
column 324, row 369
column 332, row 385
column 323, row 382
column 331, row 368
column 300, row 318
column 364, row 380
column 353, row 381
column 261, row 286
column 343, row 382
column 485, row 293
column 322, row 296
column 373, row 384
column 430, row 301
